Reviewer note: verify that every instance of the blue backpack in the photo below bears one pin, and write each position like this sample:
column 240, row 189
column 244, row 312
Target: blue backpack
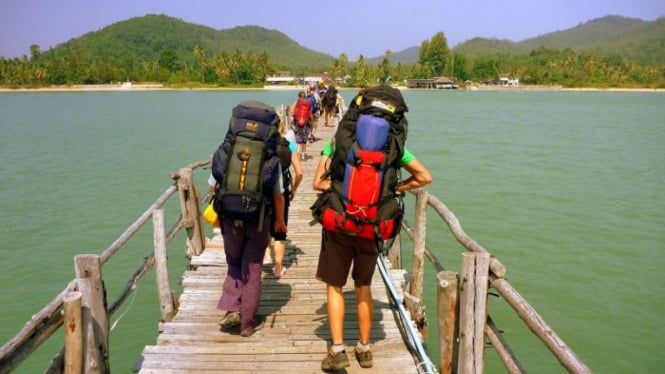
column 314, row 104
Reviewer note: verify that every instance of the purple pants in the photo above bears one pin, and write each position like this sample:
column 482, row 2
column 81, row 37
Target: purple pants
column 244, row 246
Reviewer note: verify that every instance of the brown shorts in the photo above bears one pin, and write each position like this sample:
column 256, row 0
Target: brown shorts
column 338, row 251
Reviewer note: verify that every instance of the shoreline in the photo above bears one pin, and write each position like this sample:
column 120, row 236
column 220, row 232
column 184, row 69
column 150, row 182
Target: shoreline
column 161, row 87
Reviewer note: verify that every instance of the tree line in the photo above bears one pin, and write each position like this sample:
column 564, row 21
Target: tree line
column 542, row 66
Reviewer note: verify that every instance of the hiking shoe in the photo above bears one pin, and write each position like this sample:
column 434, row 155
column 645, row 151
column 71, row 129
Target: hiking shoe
column 249, row 331
column 335, row 361
column 364, row 358
column 230, row 319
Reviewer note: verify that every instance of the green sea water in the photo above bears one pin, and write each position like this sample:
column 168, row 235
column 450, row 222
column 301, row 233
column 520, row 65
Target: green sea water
column 565, row 188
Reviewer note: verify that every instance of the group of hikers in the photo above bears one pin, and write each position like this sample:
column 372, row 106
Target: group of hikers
column 359, row 205
column 320, row 103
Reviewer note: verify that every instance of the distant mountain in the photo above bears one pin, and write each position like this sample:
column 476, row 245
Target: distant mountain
column 407, row 56
column 632, row 39
column 144, row 39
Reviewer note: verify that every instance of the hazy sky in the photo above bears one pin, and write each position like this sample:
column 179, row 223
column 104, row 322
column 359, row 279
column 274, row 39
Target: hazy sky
column 368, row 27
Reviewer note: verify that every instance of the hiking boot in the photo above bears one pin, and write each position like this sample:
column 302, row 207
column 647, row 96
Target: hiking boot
column 335, row 361
column 230, row 319
column 364, row 358
column 249, row 331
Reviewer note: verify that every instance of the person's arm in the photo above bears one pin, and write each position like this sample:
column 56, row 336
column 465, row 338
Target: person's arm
column 280, row 225
column 318, row 183
column 278, row 202
column 420, row 176
column 211, row 183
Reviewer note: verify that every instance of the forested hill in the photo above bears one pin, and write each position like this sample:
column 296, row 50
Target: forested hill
column 629, row 38
column 145, row 38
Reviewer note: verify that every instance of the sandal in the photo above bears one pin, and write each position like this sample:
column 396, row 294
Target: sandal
column 280, row 274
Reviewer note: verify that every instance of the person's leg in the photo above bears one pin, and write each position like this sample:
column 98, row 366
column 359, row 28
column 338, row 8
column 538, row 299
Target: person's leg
column 333, row 268
column 312, row 134
column 268, row 257
column 336, row 306
column 365, row 306
column 364, row 264
column 279, row 248
column 252, row 263
column 231, row 289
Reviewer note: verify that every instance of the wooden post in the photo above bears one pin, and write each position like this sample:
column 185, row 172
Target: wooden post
column 95, row 319
column 413, row 298
column 447, row 316
column 73, row 333
column 161, row 265
column 473, row 312
column 420, row 227
column 191, row 213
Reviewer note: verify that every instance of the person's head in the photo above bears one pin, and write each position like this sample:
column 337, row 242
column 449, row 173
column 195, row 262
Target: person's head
column 301, row 94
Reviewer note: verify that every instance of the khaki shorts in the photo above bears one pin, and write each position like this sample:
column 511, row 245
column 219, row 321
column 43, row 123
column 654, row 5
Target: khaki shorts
column 339, row 252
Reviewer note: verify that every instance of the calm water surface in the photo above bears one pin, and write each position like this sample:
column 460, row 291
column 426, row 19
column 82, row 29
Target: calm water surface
column 565, row 188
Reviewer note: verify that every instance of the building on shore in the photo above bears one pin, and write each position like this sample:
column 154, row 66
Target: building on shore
column 436, row 83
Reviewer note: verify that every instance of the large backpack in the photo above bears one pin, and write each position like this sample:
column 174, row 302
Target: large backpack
column 365, row 168
column 330, row 97
column 314, row 100
column 302, row 111
column 245, row 165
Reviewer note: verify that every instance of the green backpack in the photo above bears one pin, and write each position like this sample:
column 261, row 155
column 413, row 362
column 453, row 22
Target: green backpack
column 245, row 165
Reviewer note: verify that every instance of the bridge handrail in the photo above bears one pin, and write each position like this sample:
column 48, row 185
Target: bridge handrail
column 497, row 272
column 43, row 324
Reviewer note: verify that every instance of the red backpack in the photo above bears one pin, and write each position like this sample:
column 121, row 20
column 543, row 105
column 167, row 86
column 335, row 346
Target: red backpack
column 365, row 168
column 302, row 112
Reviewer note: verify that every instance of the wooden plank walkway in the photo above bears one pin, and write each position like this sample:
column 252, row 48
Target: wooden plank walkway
column 296, row 333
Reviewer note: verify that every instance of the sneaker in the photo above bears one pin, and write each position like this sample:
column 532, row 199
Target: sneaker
column 335, row 361
column 249, row 331
column 364, row 358
column 230, row 319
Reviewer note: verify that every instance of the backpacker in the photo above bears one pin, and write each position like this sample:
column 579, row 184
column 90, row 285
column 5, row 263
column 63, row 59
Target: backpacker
column 330, row 97
column 245, row 165
column 302, row 112
column 284, row 155
column 365, row 169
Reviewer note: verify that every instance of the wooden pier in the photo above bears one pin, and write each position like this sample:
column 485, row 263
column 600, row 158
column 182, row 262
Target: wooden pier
column 296, row 332
column 294, row 338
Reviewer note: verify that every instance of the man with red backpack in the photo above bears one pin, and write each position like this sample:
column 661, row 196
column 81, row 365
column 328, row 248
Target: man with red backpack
column 360, row 207
column 302, row 118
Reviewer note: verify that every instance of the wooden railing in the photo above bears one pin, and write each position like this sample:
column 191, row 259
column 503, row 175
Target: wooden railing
column 82, row 305
column 463, row 319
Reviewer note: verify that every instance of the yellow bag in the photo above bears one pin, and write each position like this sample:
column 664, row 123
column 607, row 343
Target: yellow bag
column 210, row 216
